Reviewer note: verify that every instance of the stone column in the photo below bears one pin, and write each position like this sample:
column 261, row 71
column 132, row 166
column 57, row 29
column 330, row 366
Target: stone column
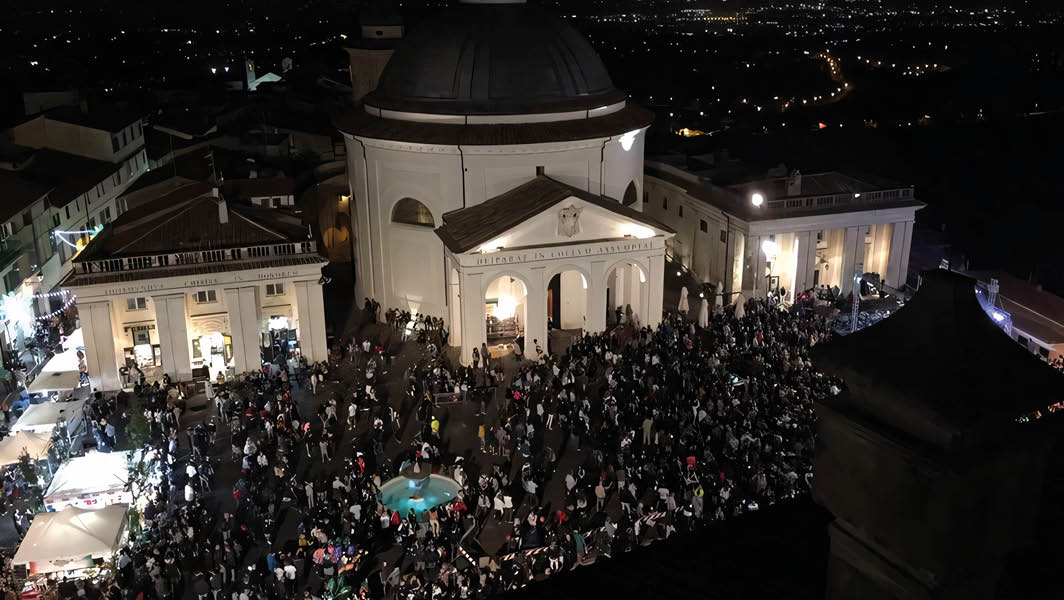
column 100, row 356
column 474, row 322
column 803, row 275
column 245, row 325
column 897, row 245
column 903, row 268
column 634, row 289
column 656, row 281
column 310, row 305
column 850, row 257
column 536, row 313
column 171, row 323
column 760, row 264
column 596, row 297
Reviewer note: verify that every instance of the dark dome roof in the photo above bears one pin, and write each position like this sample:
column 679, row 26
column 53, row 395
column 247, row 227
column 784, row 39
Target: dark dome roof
column 491, row 59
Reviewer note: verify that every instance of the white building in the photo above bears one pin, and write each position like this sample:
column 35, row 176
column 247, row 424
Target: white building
column 191, row 285
column 496, row 128
column 792, row 233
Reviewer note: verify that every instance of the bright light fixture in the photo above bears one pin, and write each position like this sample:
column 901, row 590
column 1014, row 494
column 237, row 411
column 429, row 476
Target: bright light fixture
column 636, row 231
column 998, row 316
column 628, row 140
column 770, row 248
column 17, row 311
column 757, row 199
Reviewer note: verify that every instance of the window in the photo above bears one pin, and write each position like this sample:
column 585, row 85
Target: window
column 274, row 289
column 55, row 220
column 114, row 143
column 124, row 137
column 206, row 297
column 681, row 210
column 67, row 208
column 92, row 223
column 129, row 163
column 665, row 202
column 820, row 236
column 723, row 236
column 541, row 171
column 412, row 212
column 703, row 225
column 12, row 280
column 630, row 194
column 136, row 130
column 105, row 215
column 136, row 303
column 276, row 202
column 27, row 218
column 1043, row 352
column 116, row 179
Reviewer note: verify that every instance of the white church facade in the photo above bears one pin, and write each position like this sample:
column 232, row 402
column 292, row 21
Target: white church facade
column 487, row 127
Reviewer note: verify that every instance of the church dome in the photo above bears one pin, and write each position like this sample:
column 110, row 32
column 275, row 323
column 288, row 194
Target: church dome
column 485, row 57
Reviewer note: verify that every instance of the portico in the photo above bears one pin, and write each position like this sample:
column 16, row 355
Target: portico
column 576, row 255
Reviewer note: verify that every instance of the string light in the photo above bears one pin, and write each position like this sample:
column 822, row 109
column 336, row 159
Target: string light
column 19, row 310
column 59, row 233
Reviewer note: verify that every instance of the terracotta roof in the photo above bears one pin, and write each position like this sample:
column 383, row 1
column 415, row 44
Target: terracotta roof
column 186, row 219
column 19, row 194
column 68, row 175
column 245, row 189
column 939, row 369
column 360, row 123
column 467, row 228
column 82, row 279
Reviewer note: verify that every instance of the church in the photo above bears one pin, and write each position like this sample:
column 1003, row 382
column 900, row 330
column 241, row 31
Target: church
column 496, row 178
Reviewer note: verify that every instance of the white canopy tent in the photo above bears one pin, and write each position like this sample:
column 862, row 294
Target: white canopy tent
column 36, row 444
column 60, row 541
column 41, row 418
column 54, row 381
column 91, row 481
column 62, row 371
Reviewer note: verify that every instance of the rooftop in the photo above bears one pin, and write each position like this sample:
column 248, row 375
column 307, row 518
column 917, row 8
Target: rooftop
column 19, row 194
column 108, row 120
column 467, row 228
column 1033, row 310
column 362, row 124
column 821, row 193
column 186, row 219
column 955, row 362
column 494, row 58
column 67, row 175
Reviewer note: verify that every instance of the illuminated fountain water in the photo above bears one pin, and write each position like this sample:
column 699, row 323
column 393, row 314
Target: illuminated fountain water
column 417, row 489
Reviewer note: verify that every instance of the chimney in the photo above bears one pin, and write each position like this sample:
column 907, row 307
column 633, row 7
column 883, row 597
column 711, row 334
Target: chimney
column 794, row 183
column 223, row 208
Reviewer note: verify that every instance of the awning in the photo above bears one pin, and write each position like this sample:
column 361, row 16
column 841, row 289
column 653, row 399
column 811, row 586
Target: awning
column 12, row 447
column 43, row 417
column 57, row 539
column 55, row 381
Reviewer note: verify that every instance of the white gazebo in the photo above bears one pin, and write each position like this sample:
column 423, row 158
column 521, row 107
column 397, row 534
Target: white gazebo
column 34, row 444
column 41, row 418
column 549, row 250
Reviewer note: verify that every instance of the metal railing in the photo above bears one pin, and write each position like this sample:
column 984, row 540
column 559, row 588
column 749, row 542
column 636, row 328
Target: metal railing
column 136, row 263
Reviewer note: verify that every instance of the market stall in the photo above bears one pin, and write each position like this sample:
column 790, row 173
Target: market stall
column 41, row 418
column 93, row 481
column 72, row 539
column 35, row 444
column 62, row 372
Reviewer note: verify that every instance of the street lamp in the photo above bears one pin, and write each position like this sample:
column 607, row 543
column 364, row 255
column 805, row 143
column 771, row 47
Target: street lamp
column 757, row 199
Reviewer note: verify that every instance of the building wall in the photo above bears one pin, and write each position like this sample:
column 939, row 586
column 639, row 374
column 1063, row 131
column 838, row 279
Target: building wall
column 403, row 266
column 43, row 132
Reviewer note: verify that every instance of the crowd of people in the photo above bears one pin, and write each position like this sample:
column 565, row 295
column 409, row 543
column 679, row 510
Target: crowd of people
column 630, row 436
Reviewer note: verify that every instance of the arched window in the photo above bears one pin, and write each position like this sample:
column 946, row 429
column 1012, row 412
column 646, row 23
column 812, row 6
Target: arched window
column 630, row 195
column 412, row 212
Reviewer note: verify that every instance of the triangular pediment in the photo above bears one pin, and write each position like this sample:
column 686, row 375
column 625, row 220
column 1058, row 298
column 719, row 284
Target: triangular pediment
column 544, row 212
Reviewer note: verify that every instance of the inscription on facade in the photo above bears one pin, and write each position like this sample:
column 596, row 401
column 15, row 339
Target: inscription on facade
column 555, row 253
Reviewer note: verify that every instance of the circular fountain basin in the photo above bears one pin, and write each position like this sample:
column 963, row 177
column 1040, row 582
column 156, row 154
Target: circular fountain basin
column 403, row 494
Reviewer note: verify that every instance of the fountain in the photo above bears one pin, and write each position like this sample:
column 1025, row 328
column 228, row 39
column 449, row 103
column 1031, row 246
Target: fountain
column 418, row 489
